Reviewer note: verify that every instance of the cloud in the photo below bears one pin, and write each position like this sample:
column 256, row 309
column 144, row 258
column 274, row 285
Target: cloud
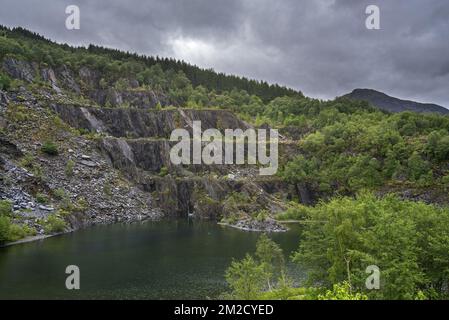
column 320, row 47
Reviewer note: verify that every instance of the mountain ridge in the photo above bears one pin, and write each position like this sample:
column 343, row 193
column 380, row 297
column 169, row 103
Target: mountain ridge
column 393, row 104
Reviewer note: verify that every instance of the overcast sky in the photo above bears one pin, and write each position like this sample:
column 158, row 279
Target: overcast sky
column 320, row 47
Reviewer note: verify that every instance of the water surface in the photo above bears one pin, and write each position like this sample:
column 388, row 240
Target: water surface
column 176, row 259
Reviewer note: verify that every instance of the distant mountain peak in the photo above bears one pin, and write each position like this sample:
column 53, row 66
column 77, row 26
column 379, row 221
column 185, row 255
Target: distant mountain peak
column 392, row 104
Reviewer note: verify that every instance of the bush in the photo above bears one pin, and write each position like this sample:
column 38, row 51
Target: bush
column 17, row 113
column 54, row 224
column 59, row 193
column 69, row 168
column 262, row 215
column 297, row 212
column 5, row 208
column 13, row 232
column 49, row 148
column 5, row 82
column 107, row 189
column 163, row 171
column 342, row 291
column 27, row 161
column 445, row 182
column 5, row 224
column 406, row 239
column 41, row 198
column 16, row 232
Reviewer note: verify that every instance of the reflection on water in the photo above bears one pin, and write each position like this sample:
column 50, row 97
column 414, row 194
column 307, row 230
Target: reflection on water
column 151, row 260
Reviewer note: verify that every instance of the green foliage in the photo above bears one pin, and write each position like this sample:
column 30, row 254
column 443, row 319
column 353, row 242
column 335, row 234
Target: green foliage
column 294, row 212
column 271, row 258
column 16, row 232
column 107, row 189
column 10, row 231
column 17, row 113
column 5, row 81
column 348, row 147
column 41, row 198
column 342, row 291
column 5, row 208
column 29, row 162
column 81, row 204
column 5, row 225
column 254, row 276
column 176, row 78
column 407, row 240
column 262, row 215
column 54, row 224
column 445, row 182
column 246, row 278
column 69, row 168
column 163, row 171
column 59, row 193
column 50, row 148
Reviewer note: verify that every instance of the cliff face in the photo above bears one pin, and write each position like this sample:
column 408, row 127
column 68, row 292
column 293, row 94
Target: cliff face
column 138, row 123
column 137, row 143
column 118, row 154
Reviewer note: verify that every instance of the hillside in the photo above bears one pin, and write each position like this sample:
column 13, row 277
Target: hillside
column 392, row 104
column 85, row 140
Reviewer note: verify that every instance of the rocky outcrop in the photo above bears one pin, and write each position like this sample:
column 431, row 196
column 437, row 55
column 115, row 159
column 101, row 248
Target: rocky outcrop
column 135, row 140
column 19, row 69
column 138, row 123
column 77, row 183
column 48, row 75
column 137, row 98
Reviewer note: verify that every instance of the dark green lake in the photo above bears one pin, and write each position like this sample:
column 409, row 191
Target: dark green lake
column 176, row 259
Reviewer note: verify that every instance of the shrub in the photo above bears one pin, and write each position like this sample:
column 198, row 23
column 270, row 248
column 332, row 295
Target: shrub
column 297, row 212
column 5, row 82
column 342, row 291
column 163, row 171
column 54, row 224
column 16, row 232
column 17, row 113
column 49, row 148
column 69, row 168
column 246, row 278
column 445, row 182
column 59, row 193
column 81, row 204
column 5, row 208
column 107, row 189
column 407, row 239
column 41, row 198
column 262, row 215
column 27, row 161
column 5, row 224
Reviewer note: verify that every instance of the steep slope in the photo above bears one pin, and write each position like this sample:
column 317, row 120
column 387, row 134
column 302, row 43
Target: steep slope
column 392, row 104
column 112, row 163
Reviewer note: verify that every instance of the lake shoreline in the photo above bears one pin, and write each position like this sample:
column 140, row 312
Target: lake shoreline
column 32, row 239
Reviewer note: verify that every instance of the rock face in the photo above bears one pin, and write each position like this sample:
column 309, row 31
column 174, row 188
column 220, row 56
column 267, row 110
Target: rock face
column 137, row 143
column 138, row 123
column 19, row 69
column 125, row 172
column 385, row 102
column 48, row 75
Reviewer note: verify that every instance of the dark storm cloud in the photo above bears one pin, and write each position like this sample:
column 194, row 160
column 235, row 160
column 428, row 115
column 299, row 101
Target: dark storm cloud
column 318, row 46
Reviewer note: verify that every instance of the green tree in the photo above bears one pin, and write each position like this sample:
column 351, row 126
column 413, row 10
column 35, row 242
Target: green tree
column 246, row 278
column 341, row 291
column 344, row 236
column 271, row 258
